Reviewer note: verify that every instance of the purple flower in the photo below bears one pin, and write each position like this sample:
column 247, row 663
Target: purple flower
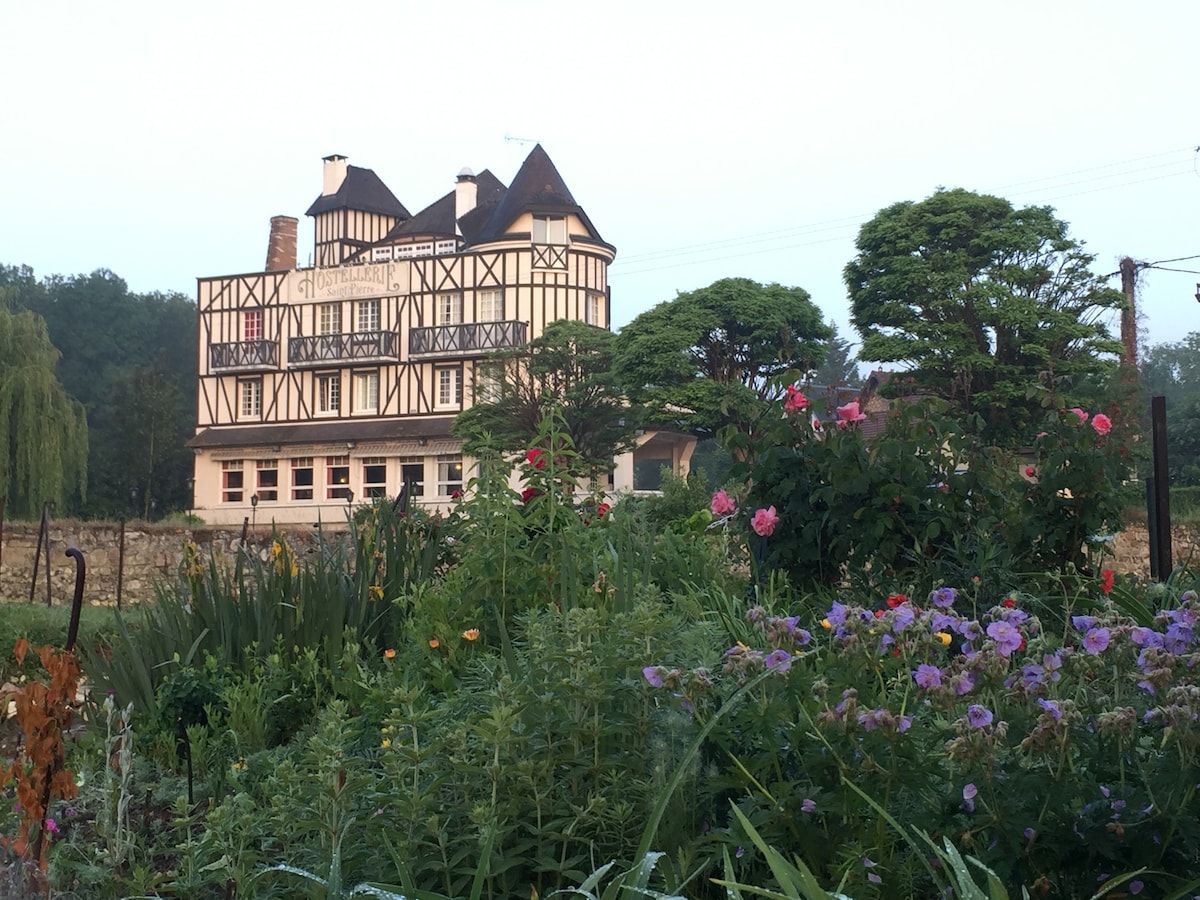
column 874, row 879
column 943, row 597
column 978, row 716
column 940, row 621
column 837, row 613
column 807, row 805
column 927, row 676
column 1145, row 637
column 1030, row 833
column 1136, row 887
column 779, row 660
column 741, row 851
column 963, row 683
column 903, row 617
column 654, row 675
column 903, row 724
column 1096, row 640
column 803, row 638
column 1008, row 639
column 970, row 792
column 1052, row 707
column 1083, row 623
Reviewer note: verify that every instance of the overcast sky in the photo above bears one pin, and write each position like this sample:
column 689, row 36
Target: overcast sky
column 704, row 140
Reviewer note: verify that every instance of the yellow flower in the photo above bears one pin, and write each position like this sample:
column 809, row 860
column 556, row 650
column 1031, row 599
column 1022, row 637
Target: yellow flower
column 943, row 636
column 434, row 643
column 471, row 634
column 375, row 592
column 385, row 743
column 386, row 729
column 826, row 624
column 389, row 653
column 239, row 766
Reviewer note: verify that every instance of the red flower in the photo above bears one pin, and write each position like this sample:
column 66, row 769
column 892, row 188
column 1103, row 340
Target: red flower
column 879, row 613
column 455, row 494
column 1106, row 580
column 1030, row 471
column 895, row 600
column 536, row 457
column 1009, row 603
column 602, row 509
column 528, row 494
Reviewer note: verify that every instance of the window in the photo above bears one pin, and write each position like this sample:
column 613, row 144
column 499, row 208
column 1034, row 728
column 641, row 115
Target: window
column 491, row 306
column 366, row 315
column 374, row 476
column 231, row 481
column 329, row 395
column 412, row 475
column 593, row 311
column 549, row 231
column 268, row 479
column 250, row 398
column 487, row 386
column 252, row 325
column 449, row 389
column 329, row 318
column 337, row 477
column 366, row 392
column 302, row 478
column 449, row 309
column 449, row 475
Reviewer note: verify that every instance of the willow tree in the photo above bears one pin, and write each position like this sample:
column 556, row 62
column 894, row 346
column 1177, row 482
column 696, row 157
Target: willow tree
column 43, row 431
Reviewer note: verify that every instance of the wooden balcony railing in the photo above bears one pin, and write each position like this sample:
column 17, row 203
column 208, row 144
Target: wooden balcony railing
column 468, row 338
column 358, row 346
column 244, row 356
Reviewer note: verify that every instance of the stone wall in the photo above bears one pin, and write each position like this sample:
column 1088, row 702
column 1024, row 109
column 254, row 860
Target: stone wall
column 151, row 552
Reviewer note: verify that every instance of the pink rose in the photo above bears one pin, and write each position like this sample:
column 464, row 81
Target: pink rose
column 1030, row 472
column 796, row 401
column 764, row 521
column 850, row 413
column 1102, row 423
column 1083, row 417
column 722, row 504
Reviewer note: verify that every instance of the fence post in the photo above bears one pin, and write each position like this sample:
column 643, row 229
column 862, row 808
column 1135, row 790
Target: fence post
column 46, row 507
column 1162, row 486
column 120, row 561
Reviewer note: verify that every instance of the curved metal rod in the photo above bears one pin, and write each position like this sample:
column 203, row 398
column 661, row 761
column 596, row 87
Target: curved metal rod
column 77, row 603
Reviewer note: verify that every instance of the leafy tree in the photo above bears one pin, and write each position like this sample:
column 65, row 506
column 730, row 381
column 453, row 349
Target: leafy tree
column 839, row 366
column 1172, row 370
column 714, row 356
column 43, row 432
column 983, row 303
column 567, row 369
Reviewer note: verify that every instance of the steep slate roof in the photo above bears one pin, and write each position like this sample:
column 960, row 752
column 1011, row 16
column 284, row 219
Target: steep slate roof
column 537, row 188
column 361, row 190
column 438, row 217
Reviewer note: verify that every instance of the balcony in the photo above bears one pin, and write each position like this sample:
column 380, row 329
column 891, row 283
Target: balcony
column 243, row 356
column 326, row 349
column 466, row 339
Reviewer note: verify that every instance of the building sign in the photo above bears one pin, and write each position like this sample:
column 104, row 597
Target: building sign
column 349, row 281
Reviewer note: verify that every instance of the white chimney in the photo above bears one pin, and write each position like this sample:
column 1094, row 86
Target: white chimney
column 465, row 193
column 334, row 174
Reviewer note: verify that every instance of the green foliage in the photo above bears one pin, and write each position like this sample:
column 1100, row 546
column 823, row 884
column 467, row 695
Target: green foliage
column 839, row 367
column 43, row 432
column 567, row 370
column 981, row 301
column 711, row 357
column 41, row 625
column 1170, row 370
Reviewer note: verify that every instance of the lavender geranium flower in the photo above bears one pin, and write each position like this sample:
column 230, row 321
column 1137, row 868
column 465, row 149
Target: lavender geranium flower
column 1083, row 623
column 807, row 805
column 978, row 716
column 943, row 597
column 779, row 660
column 1008, row 639
column 654, row 675
column 1096, row 640
column 1052, row 707
column 803, row 638
column 963, row 683
column 837, row 614
column 969, row 793
column 1145, row 637
column 903, row 617
column 927, row 676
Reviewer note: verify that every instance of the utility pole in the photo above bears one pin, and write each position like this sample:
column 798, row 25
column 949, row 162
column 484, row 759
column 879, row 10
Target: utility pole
column 1129, row 316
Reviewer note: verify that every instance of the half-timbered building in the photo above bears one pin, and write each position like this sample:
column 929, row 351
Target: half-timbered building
column 341, row 381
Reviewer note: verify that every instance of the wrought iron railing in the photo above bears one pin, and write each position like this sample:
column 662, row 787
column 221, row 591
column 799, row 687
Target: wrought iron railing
column 245, row 355
column 466, row 338
column 319, row 350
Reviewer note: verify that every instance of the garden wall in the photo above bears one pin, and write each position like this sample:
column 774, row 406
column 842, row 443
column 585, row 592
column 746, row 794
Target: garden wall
column 151, row 552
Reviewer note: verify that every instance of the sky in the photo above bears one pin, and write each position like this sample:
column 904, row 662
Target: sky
column 704, row 140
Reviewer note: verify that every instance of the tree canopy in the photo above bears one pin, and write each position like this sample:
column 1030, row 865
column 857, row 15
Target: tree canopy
column 983, row 302
column 1172, row 370
column 43, row 432
column 568, row 369
column 715, row 356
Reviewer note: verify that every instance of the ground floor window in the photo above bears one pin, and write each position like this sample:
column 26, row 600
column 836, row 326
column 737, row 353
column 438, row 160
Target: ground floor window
column 337, row 477
column 412, row 475
column 302, row 478
column 450, row 475
column 374, row 477
column 268, row 479
column 232, row 481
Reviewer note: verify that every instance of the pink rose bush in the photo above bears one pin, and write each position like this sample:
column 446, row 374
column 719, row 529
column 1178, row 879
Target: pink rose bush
column 764, row 521
column 722, row 504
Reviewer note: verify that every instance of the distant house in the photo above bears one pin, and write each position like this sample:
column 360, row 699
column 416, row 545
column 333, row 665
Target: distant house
column 340, row 382
column 878, row 407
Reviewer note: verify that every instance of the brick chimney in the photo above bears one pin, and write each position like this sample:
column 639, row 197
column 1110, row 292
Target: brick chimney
column 333, row 174
column 465, row 193
column 281, row 248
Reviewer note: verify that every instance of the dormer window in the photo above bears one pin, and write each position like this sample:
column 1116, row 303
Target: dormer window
column 547, row 230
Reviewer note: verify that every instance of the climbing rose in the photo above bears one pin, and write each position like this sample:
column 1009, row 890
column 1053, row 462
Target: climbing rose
column 1102, row 423
column 1083, row 417
column 850, row 413
column 796, row 401
column 722, row 504
column 764, row 521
